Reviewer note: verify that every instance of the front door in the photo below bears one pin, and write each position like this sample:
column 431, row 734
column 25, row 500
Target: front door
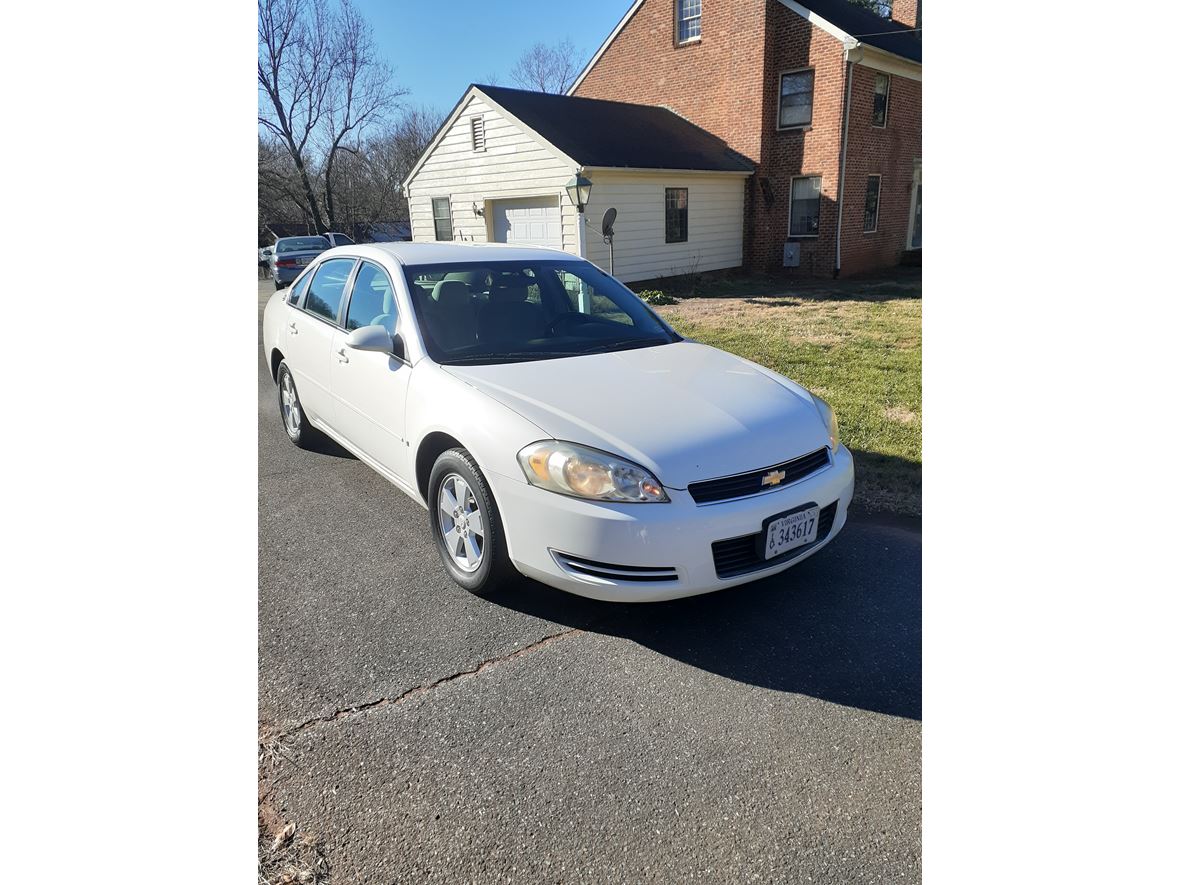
column 370, row 388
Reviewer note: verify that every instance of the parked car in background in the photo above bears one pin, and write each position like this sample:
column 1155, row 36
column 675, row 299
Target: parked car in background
column 552, row 423
column 292, row 255
column 340, row 239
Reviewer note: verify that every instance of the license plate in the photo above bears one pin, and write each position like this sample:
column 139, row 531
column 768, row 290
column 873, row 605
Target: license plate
column 793, row 530
column 301, row 261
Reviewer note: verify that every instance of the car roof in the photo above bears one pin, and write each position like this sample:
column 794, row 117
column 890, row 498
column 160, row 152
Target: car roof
column 453, row 253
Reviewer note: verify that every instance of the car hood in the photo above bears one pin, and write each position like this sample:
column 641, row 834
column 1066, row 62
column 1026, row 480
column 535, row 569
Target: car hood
column 685, row 410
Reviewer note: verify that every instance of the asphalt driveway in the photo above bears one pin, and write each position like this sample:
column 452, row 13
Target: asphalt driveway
column 770, row 733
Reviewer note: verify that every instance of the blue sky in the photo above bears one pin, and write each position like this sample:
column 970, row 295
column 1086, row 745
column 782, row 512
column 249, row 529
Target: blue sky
column 439, row 47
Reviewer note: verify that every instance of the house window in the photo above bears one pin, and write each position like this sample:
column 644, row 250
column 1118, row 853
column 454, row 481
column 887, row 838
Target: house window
column 442, row 218
column 805, row 206
column 478, row 139
column 881, row 101
column 688, row 20
column 872, row 203
column 676, row 215
column 794, row 102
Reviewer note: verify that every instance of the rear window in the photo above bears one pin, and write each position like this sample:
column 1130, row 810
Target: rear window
column 342, row 240
column 300, row 244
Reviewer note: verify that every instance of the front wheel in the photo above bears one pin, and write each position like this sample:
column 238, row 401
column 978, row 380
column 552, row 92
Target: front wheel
column 466, row 525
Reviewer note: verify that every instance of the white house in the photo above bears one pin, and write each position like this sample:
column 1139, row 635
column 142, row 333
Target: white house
column 498, row 168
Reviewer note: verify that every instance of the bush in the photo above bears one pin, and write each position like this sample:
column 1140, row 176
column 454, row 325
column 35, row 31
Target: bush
column 655, row 296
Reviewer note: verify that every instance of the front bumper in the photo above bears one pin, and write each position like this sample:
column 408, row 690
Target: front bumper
column 652, row 552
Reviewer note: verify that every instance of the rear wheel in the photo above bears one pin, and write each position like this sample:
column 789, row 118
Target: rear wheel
column 299, row 431
column 466, row 524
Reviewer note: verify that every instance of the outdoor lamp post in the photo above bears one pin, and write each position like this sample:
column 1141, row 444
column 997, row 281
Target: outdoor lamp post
column 579, row 191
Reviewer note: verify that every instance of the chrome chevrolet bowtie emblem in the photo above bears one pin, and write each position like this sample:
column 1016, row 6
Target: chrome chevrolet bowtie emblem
column 774, row 477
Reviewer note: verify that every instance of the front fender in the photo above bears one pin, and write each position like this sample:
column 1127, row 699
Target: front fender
column 440, row 403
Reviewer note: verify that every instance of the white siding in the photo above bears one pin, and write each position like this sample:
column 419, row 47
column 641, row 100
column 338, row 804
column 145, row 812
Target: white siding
column 715, row 216
column 513, row 165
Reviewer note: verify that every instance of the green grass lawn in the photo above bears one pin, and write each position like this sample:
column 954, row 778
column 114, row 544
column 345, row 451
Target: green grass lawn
column 856, row 344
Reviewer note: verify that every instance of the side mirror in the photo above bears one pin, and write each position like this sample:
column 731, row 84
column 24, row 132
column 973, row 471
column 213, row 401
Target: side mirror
column 374, row 338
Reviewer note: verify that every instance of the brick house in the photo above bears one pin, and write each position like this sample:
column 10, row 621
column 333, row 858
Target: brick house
column 824, row 97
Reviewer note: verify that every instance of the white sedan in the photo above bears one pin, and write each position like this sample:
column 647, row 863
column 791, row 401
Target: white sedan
column 552, row 424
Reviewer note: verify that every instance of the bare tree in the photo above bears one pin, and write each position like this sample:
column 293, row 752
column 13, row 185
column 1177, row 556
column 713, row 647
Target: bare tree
column 321, row 84
column 368, row 179
column 548, row 68
column 361, row 94
column 294, row 76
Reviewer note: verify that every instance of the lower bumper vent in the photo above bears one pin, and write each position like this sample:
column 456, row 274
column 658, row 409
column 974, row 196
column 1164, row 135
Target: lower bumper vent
column 605, row 571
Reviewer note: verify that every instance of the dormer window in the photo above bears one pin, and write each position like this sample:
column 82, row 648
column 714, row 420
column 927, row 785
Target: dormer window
column 688, row 20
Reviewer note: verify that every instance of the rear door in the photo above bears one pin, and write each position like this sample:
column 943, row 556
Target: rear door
column 309, row 332
column 370, row 388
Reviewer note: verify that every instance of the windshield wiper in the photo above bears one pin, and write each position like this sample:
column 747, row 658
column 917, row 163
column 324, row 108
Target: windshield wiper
column 514, row 357
column 632, row 344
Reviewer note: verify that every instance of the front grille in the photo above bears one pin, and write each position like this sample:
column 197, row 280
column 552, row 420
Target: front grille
column 742, row 485
column 738, row 556
column 605, row 571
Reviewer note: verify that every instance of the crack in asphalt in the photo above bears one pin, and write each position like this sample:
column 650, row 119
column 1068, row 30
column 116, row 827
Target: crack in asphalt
column 410, row 693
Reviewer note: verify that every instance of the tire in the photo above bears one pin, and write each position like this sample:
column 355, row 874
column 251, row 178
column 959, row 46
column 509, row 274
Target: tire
column 279, row 285
column 299, row 431
column 493, row 571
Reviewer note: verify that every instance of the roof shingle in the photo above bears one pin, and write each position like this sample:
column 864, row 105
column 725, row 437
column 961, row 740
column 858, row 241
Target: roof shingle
column 616, row 134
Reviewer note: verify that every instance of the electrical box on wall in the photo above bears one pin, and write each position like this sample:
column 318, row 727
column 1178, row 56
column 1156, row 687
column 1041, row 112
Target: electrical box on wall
column 790, row 254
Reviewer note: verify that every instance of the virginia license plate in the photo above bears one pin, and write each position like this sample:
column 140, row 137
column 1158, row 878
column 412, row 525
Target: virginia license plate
column 791, row 531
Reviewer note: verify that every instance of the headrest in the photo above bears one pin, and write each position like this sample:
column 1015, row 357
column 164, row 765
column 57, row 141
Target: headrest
column 509, row 294
column 509, row 321
column 449, row 293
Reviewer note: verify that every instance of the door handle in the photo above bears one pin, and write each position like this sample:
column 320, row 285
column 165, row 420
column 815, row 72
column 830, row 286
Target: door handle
column 343, row 355
column 294, row 330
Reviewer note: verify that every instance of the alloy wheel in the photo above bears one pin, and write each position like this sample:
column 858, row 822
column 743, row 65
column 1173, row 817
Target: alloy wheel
column 461, row 522
column 292, row 417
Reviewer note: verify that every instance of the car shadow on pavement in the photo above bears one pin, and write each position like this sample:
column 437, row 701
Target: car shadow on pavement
column 842, row 626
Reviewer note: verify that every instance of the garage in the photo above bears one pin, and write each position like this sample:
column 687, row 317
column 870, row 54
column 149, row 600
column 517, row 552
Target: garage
column 534, row 221
column 500, row 170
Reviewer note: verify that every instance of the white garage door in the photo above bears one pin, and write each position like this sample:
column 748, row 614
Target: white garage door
column 535, row 221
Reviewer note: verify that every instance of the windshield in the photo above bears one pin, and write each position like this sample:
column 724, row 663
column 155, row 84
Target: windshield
column 300, row 244
column 511, row 311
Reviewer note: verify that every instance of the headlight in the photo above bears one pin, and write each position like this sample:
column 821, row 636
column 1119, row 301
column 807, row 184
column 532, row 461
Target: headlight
column 825, row 412
column 570, row 469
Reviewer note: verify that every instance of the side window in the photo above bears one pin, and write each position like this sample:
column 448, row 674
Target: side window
column 327, row 288
column 794, row 102
column 442, row 219
column 872, row 203
column 805, row 193
column 297, row 290
column 675, row 215
column 688, row 20
column 881, row 101
column 372, row 302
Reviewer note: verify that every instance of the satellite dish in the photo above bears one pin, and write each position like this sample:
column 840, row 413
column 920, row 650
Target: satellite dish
column 608, row 222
